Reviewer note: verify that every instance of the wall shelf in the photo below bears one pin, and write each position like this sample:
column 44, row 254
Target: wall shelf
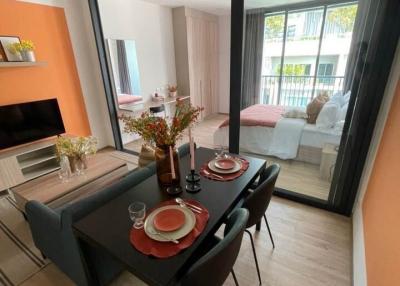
column 21, row 64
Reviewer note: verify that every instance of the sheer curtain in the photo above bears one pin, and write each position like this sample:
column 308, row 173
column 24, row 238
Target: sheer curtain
column 123, row 69
column 357, row 47
column 252, row 60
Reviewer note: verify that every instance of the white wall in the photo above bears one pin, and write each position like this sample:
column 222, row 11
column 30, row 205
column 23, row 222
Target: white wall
column 82, row 38
column 224, row 53
column 150, row 25
column 359, row 266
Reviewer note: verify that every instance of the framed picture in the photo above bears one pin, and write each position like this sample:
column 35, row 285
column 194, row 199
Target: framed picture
column 5, row 42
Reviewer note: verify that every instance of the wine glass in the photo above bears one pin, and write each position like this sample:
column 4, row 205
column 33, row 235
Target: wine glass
column 137, row 213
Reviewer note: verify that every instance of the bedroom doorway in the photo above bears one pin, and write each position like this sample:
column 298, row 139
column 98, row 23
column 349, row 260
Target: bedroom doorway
column 299, row 68
column 317, row 54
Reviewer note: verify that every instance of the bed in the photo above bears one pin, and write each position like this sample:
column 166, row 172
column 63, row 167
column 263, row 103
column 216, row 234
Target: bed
column 265, row 131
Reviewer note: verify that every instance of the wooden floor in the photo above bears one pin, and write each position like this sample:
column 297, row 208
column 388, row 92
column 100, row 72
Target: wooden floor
column 295, row 176
column 313, row 248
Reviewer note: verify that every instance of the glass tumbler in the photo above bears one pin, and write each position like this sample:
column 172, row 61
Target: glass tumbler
column 137, row 213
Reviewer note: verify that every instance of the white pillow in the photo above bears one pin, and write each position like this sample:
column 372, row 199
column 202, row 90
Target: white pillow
column 337, row 98
column 328, row 116
column 347, row 97
column 343, row 112
column 295, row 113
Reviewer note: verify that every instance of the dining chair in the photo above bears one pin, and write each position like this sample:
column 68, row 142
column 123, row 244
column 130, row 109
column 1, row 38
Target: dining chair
column 257, row 203
column 220, row 256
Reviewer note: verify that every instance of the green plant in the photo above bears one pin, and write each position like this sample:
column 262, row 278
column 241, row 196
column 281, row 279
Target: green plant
column 23, row 46
column 157, row 130
column 75, row 146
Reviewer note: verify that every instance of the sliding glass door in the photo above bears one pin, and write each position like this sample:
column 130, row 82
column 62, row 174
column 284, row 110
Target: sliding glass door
column 304, row 56
column 333, row 55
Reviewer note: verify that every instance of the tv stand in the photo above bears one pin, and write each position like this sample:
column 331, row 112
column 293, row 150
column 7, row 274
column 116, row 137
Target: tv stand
column 27, row 162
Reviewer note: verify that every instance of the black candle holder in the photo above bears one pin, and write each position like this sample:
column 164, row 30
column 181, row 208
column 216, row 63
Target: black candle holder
column 193, row 179
column 174, row 190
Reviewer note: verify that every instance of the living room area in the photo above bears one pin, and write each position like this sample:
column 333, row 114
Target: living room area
column 110, row 174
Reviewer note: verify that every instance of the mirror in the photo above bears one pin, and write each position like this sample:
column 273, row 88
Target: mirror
column 125, row 70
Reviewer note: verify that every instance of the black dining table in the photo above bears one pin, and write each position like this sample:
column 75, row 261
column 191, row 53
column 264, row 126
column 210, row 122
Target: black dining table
column 108, row 227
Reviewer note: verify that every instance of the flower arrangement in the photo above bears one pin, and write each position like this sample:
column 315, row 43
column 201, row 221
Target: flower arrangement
column 77, row 147
column 157, row 130
column 23, row 46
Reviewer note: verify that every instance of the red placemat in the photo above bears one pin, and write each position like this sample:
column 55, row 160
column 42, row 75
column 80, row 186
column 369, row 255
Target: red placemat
column 148, row 246
column 206, row 172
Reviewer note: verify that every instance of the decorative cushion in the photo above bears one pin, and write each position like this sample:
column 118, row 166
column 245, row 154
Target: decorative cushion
column 146, row 155
column 338, row 98
column 315, row 106
column 328, row 116
column 295, row 113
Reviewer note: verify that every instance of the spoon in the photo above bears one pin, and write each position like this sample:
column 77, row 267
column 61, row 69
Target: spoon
column 180, row 201
column 183, row 205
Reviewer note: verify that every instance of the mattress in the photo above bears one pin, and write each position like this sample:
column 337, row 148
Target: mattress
column 257, row 139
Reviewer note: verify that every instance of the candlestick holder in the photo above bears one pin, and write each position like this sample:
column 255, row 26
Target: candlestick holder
column 193, row 187
column 192, row 177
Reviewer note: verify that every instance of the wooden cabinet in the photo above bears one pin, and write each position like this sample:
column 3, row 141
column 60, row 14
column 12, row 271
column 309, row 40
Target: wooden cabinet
column 196, row 56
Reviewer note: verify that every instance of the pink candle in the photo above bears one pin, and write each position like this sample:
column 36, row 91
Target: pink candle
column 171, row 159
column 191, row 142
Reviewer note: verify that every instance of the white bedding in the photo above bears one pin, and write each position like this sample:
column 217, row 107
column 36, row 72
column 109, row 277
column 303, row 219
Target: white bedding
column 257, row 139
column 286, row 138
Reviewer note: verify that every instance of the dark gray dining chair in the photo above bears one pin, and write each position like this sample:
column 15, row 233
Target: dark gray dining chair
column 213, row 268
column 257, row 203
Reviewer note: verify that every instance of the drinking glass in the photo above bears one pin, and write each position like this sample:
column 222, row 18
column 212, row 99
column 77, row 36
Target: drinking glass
column 65, row 172
column 79, row 166
column 137, row 212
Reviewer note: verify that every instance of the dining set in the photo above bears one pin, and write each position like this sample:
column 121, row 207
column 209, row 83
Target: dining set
column 166, row 239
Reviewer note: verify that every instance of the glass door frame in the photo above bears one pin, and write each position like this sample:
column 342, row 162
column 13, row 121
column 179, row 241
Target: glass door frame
column 378, row 57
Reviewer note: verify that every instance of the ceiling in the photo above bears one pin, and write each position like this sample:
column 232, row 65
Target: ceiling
column 221, row 7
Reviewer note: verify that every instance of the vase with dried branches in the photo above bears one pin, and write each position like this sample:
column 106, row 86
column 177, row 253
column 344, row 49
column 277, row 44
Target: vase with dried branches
column 164, row 133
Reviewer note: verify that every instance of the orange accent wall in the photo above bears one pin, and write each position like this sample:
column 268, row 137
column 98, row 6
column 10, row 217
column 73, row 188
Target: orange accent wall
column 381, row 206
column 46, row 26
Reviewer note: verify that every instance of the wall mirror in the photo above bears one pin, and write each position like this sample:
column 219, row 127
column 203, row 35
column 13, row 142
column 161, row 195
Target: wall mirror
column 125, row 71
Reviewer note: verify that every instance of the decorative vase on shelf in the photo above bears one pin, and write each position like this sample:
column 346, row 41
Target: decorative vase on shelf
column 168, row 173
column 28, row 56
column 173, row 93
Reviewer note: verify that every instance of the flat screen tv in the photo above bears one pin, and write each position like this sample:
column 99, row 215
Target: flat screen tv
column 28, row 122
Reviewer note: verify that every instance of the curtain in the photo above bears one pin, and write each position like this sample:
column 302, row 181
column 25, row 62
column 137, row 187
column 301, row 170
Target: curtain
column 123, row 69
column 252, row 59
column 356, row 48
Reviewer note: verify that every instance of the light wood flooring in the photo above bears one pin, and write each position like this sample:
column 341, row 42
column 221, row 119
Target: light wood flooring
column 313, row 248
column 299, row 177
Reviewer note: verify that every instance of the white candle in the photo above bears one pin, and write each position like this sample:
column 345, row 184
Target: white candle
column 171, row 159
column 191, row 142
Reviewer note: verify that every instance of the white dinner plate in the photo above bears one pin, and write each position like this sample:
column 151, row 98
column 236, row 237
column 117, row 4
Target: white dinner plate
column 190, row 222
column 238, row 166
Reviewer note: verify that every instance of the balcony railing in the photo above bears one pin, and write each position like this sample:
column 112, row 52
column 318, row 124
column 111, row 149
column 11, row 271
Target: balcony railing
column 297, row 91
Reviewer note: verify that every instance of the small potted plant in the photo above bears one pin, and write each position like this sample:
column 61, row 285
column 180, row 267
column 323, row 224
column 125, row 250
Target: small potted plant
column 76, row 149
column 26, row 49
column 173, row 90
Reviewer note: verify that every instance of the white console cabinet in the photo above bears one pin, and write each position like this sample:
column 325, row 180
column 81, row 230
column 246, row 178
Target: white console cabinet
column 27, row 162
